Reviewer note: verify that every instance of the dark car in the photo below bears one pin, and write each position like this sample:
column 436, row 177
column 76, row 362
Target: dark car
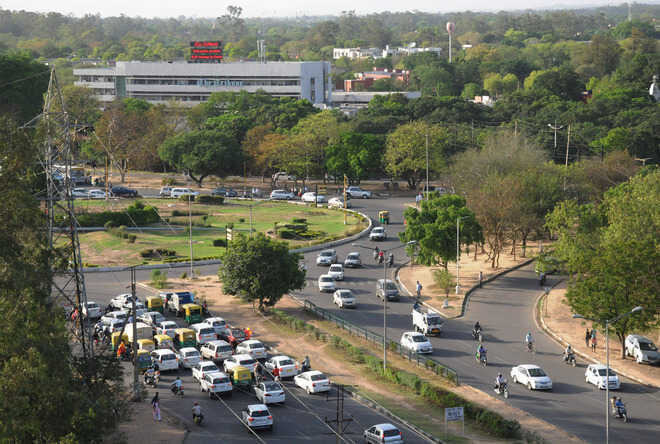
column 123, row 192
column 224, row 192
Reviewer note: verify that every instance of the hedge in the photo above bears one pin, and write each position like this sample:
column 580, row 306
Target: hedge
column 208, row 199
column 219, row 242
column 137, row 214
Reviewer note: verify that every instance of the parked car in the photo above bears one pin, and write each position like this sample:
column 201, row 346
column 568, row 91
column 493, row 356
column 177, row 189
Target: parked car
column 218, row 350
column 91, row 310
column 596, row 374
column 165, row 192
column 378, row 234
column 531, row 376
column 326, row 257
column 216, row 383
column 642, row 349
column 353, row 260
column 202, row 368
column 336, row 272
column 96, row 194
column 257, row 416
column 387, row 288
column 204, row 333
column 243, row 360
column 123, row 192
column 285, row 366
column 416, row 342
column 281, row 195
column 357, row 192
column 252, row 347
column 269, row 392
column 326, row 283
column 79, row 193
column 338, row 202
column 224, row 192
column 312, row 197
column 282, row 175
column 178, row 192
column 383, row 433
column 312, row 381
column 166, row 359
column 189, row 357
column 344, row 298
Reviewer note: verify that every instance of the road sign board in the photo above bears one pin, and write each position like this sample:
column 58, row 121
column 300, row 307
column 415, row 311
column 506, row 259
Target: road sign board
column 454, row 414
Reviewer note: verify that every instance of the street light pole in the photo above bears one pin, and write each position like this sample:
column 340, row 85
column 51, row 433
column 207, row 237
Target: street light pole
column 555, row 128
column 458, row 249
column 427, row 166
column 190, row 235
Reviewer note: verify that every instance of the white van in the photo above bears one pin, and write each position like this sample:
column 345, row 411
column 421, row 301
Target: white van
column 178, row 192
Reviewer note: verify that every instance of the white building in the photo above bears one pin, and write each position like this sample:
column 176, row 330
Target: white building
column 356, row 53
column 193, row 83
column 409, row 50
column 350, row 102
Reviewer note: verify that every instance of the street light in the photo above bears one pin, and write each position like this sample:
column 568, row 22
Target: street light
column 384, row 293
column 607, row 364
column 458, row 251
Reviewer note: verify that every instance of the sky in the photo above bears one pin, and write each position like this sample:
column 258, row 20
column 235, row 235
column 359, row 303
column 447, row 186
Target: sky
column 280, row 8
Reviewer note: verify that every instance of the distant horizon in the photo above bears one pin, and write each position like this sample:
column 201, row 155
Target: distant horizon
column 253, row 9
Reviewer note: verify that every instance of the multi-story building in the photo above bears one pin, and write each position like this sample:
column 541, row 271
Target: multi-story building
column 366, row 79
column 356, row 53
column 193, row 83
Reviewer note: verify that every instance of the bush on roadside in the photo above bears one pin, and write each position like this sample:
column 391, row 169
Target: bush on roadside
column 210, row 200
column 285, row 233
column 138, row 214
column 219, row 242
column 157, row 253
column 180, row 213
column 159, row 278
column 168, row 181
column 299, row 220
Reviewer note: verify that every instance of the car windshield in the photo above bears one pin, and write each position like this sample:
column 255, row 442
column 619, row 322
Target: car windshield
column 390, row 286
column 168, row 357
column 602, row 372
column 326, row 279
column 647, row 346
column 391, row 432
column 286, row 362
column 326, row 253
column 92, row 305
column 221, row 380
column 378, row 230
column 272, row 386
column 435, row 321
column 245, row 362
column 345, row 294
column 191, row 354
column 259, row 413
column 318, row 377
column 536, row 372
column 118, row 324
column 210, row 368
column 206, row 331
column 219, row 323
column 335, row 268
column 224, row 348
column 419, row 338
column 119, row 315
column 353, row 256
column 253, row 346
column 168, row 324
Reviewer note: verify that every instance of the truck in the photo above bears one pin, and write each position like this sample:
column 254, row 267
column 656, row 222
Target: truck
column 143, row 331
column 177, row 300
column 427, row 321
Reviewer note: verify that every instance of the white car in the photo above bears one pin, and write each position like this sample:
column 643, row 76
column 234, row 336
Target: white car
column 416, row 342
column 358, row 192
column 326, row 283
column 110, row 325
column 96, row 194
column 119, row 301
column 152, row 318
column 257, row 416
column 353, row 260
column 344, row 298
column 383, row 433
column 596, row 375
column 204, row 333
column 166, row 359
column 167, row 328
column 165, row 192
column 312, row 197
column 202, row 368
column 218, row 350
column 253, row 348
column 326, row 257
column 312, row 381
column 336, row 272
column 79, row 193
column 285, row 366
column 189, row 357
column 121, row 315
column 281, row 195
column 378, row 234
column 338, row 202
column 283, row 175
column 642, row 349
column 531, row 376
column 246, row 361
column 178, row 192
column 91, row 310
column 216, row 383
column 269, row 392
column 219, row 325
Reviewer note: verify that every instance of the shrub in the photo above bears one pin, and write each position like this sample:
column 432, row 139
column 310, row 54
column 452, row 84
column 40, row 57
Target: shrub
column 168, row 181
column 108, row 224
column 184, row 275
column 287, row 234
column 136, row 214
column 299, row 220
column 219, row 242
column 210, row 200
column 158, row 278
column 132, row 238
column 241, row 220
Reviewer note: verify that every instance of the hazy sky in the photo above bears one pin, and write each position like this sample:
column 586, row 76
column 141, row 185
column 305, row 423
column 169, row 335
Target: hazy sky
column 261, row 8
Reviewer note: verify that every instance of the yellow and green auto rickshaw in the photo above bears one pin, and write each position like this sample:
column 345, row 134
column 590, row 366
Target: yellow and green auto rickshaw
column 384, row 217
column 143, row 360
column 154, row 303
column 164, row 341
column 185, row 337
column 146, row 344
column 241, row 376
column 114, row 339
column 192, row 313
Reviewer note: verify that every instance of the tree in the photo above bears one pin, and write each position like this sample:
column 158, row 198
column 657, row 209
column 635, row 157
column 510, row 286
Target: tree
column 259, row 269
column 260, row 145
column 434, row 228
column 81, row 104
column 405, row 152
column 356, row 155
column 24, row 81
column 445, row 280
column 611, row 253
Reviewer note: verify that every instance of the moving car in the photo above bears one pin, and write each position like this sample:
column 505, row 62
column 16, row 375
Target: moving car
column 79, row 193
column 91, row 310
column 239, row 360
column 219, row 325
column 326, row 257
column 383, row 433
column 216, row 383
column 283, row 175
column 353, row 260
column 166, row 359
column 125, row 302
column 378, row 234
column 224, row 192
column 336, row 272
column 531, row 376
column 312, row 381
column 96, row 194
column 338, row 202
column 152, row 318
column 596, row 375
column 281, row 195
column 257, row 416
column 344, row 298
column 326, row 283
column 269, row 392
column 165, row 192
column 218, row 350
column 253, row 348
column 312, row 197
column 167, row 328
column 178, row 192
column 189, row 357
column 358, row 192
column 642, row 349
column 387, row 288
column 202, row 368
column 204, row 333
column 416, row 342
column 285, row 366
column 119, row 191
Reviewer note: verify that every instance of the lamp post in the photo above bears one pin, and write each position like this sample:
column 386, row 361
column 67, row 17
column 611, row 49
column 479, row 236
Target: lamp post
column 190, row 235
column 384, row 294
column 458, row 248
column 607, row 358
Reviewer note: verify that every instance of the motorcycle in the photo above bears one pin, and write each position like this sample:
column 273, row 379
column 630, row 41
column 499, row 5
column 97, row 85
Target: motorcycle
column 477, row 335
column 390, row 260
column 503, row 389
column 177, row 391
column 381, row 258
column 621, row 412
column 152, row 380
column 376, row 255
column 197, row 419
column 530, row 347
column 481, row 359
column 570, row 359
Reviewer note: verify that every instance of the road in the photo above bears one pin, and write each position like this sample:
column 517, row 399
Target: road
column 504, row 308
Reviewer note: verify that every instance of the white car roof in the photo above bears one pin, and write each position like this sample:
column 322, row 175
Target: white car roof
column 188, row 349
column 598, row 366
column 242, row 356
column 163, row 351
column 280, row 358
column 217, row 374
column 205, row 363
column 200, row 325
column 257, row 407
column 314, row 372
column 217, row 342
column 213, row 319
column 413, row 333
column 378, row 229
column 528, row 366
column 168, row 323
column 386, row 426
column 252, row 341
column 325, row 276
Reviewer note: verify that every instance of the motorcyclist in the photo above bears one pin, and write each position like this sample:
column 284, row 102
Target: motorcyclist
column 305, row 364
column 481, row 351
column 176, row 385
column 390, row 259
column 618, row 406
column 528, row 339
column 499, row 381
column 197, row 411
column 376, row 252
column 568, row 352
column 121, row 350
column 381, row 257
column 476, row 329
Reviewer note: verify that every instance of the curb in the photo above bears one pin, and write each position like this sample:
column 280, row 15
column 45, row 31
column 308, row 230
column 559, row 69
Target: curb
column 540, row 323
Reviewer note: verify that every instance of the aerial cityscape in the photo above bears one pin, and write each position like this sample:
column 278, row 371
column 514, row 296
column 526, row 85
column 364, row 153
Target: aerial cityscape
column 288, row 223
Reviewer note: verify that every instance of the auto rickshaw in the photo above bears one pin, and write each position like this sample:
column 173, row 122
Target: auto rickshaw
column 241, row 376
column 192, row 313
column 114, row 340
column 146, row 344
column 185, row 337
column 143, row 360
column 384, row 217
column 164, row 341
column 154, row 303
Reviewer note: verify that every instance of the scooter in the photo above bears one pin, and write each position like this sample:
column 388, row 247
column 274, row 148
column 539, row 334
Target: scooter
column 390, row 260
column 483, row 359
column 177, row 391
column 477, row 335
column 621, row 412
column 197, row 419
column 503, row 389
column 570, row 359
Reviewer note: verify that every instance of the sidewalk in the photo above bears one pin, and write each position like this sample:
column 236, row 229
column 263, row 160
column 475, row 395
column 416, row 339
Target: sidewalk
column 557, row 319
column 142, row 428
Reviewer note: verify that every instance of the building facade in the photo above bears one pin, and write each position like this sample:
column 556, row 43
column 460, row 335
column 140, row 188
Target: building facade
column 193, row 83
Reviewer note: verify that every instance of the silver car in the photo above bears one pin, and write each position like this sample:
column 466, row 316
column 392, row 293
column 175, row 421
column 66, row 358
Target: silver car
column 353, row 260
column 326, row 257
column 257, row 416
column 269, row 392
column 387, row 288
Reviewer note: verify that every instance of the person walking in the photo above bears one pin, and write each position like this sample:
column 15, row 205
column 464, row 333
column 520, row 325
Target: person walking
column 419, row 290
column 418, row 199
column 594, row 342
column 155, row 404
column 587, row 336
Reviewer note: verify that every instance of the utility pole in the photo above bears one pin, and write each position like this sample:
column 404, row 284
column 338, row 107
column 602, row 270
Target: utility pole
column 555, row 128
column 568, row 142
column 251, row 220
column 427, row 166
column 105, row 179
column 339, row 415
column 190, row 235
column 345, row 204
column 136, row 388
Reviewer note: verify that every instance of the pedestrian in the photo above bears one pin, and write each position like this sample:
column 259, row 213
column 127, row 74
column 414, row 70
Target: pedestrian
column 155, row 404
column 419, row 290
column 418, row 199
column 481, row 278
column 587, row 336
column 594, row 342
